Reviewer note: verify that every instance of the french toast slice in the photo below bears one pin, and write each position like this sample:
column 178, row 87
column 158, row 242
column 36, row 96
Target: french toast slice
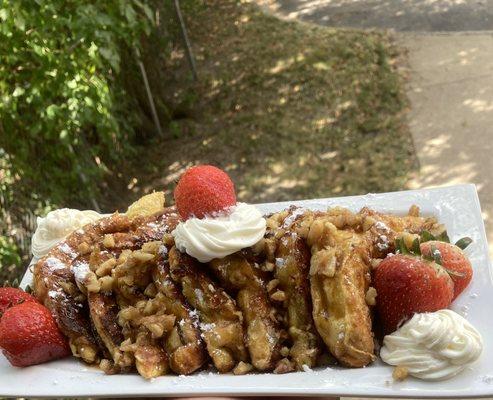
column 184, row 343
column 263, row 332
column 291, row 272
column 339, row 279
column 221, row 323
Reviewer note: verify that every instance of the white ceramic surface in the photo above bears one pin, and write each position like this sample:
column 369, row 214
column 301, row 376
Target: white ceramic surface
column 456, row 206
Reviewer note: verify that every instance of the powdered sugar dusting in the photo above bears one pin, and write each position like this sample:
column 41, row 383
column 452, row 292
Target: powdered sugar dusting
column 54, row 263
column 66, row 249
column 80, row 270
column 292, row 217
column 382, row 226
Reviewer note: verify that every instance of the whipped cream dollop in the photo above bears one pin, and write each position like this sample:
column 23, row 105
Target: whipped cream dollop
column 433, row 346
column 56, row 226
column 220, row 235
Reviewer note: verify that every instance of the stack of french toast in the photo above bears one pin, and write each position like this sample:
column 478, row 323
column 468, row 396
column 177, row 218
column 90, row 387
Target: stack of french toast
column 128, row 299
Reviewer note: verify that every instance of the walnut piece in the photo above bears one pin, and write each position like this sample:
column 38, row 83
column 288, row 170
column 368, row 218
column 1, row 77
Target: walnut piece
column 400, row 373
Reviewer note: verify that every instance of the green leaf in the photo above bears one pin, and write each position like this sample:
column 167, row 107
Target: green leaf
column 416, row 248
column 20, row 23
column 130, row 14
column 443, row 237
column 18, row 91
column 111, row 56
column 426, row 237
column 148, row 12
column 4, row 14
column 463, row 243
column 400, row 246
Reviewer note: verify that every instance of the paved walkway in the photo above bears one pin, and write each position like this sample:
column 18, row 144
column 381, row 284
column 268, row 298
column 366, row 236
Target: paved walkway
column 451, row 79
column 451, row 118
column 408, row 15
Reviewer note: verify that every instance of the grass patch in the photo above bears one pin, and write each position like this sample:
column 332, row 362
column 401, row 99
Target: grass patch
column 290, row 110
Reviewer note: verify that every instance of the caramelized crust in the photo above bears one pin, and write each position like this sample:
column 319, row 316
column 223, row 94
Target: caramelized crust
column 220, row 320
column 184, row 343
column 292, row 266
column 104, row 315
column 263, row 333
column 339, row 278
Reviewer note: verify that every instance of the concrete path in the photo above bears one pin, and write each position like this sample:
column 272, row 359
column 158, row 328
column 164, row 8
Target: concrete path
column 451, row 118
column 401, row 15
column 450, row 81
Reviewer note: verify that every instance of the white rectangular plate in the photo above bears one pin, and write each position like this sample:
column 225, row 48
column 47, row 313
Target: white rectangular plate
column 456, row 206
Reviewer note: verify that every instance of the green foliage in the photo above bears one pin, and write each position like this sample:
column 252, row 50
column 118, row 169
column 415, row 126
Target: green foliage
column 61, row 109
column 9, row 253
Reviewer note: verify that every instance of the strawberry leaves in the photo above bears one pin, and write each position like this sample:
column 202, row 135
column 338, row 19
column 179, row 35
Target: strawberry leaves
column 426, row 236
column 463, row 243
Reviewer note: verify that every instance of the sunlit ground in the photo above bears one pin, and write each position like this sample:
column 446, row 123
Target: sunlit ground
column 410, row 15
column 291, row 111
column 452, row 116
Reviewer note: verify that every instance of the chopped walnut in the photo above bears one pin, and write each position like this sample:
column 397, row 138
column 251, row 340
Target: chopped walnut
column 285, row 351
column 150, row 361
column 368, row 222
column 242, row 368
column 272, row 285
column 400, row 373
column 279, row 295
column 106, row 283
column 371, row 296
column 124, row 256
column 141, row 256
column 107, row 366
column 106, row 267
column 375, row 262
column 284, row 366
column 315, row 232
column 413, row 211
column 91, row 282
column 270, row 248
column 150, row 290
column 84, row 248
column 151, row 247
column 158, row 324
column 87, row 353
column 109, row 241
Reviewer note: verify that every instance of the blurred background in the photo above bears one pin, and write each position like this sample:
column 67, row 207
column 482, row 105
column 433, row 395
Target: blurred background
column 102, row 102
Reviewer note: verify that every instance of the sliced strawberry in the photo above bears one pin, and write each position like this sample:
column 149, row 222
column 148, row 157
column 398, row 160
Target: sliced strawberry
column 453, row 260
column 29, row 335
column 406, row 285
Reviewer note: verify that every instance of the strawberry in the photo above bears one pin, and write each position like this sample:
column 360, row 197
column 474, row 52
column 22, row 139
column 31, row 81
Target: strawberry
column 407, row 284
column 453, row 260
column 29, row 335
column 11, row 296
column 204, row 190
